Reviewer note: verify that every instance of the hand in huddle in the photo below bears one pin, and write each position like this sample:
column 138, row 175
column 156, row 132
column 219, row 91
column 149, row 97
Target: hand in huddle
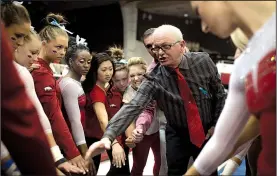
column 130, row 142
column 137, row 135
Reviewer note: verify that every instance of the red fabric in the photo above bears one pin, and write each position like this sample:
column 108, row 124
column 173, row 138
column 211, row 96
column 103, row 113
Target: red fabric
column 114, row 105
column 196, row 131
column 51, row 103
column 261, row 100
column 141, row 151
column 225, row 78
column 82, row 103
column 22, row 132
column 92, row 126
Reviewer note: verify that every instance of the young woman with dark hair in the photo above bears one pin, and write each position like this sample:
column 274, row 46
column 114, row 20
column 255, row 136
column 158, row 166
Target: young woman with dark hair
column 78, row 58
column 95, row 87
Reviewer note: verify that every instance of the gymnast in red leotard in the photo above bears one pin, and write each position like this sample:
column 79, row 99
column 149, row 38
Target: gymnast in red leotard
column 252, row 88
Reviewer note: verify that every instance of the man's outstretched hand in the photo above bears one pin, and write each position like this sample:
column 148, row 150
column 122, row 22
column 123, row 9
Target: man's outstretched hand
column 97, row 148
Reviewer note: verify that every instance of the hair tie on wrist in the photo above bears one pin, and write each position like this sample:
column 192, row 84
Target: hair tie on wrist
column 57, row 163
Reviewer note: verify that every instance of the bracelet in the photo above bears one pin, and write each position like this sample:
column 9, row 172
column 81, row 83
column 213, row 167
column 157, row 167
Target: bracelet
column 57, row 163
column 115, row 143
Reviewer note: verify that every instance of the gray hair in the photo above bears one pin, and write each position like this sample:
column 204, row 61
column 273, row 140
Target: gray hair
column 147, row 33
column 172, row 30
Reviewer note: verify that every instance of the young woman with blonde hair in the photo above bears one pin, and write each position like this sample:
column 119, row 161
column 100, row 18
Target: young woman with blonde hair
column 137, row 69
column 22, row 132
column 24, row 57
column 54, row 45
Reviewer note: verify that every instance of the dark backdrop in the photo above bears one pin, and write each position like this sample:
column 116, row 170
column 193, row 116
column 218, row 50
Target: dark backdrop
column 191, row 29
column 101, row 26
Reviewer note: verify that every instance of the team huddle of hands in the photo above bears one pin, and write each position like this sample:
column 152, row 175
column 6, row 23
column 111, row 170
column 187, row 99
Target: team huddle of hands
column 118, row 153
column 77, row 165
column 85, row 165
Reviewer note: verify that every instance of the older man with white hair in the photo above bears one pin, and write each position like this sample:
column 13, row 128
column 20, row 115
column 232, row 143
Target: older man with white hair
column 187, row 88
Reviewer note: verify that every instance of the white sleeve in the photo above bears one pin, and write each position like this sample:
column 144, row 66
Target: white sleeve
column 31, row 92
column 71, row 104
column 230, row 124
column 4, row 151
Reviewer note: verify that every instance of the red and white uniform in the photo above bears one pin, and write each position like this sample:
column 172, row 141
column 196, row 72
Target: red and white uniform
column 252, row 89
column 74, row 101
column 48, row 92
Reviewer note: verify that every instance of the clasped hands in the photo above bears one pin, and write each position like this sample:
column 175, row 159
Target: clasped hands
column 118, row 152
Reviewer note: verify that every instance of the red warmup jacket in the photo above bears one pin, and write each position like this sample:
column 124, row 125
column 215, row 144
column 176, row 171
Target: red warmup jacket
column 49, row 94
column 22, row 132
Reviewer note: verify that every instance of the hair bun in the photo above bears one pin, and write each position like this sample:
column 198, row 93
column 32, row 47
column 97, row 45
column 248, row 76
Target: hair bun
column 116, row 52
column 72, row 41
column 59, row 18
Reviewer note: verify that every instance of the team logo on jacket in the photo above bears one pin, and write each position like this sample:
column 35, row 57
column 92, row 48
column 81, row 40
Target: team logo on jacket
column 112, row 105
column 47, row 89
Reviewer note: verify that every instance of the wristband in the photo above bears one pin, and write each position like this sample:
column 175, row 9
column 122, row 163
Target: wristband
column 7, row 164
column 230, row 167
column 10, row 168
column 57, row 163
column 56, row 152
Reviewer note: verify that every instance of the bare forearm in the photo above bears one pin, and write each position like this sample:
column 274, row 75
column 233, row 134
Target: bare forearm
column 130, row 129
column 83, row 149
column 130, row 112
column 103, row 124
column 119, row 123
column 51, row 139
column 192, row 171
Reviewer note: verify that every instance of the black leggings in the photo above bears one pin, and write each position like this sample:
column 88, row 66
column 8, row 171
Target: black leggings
column 124, row 170
column 97, row 158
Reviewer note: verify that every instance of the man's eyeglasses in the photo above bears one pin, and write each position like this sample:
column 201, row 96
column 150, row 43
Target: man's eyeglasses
column 164, row 47
column 148, row 46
